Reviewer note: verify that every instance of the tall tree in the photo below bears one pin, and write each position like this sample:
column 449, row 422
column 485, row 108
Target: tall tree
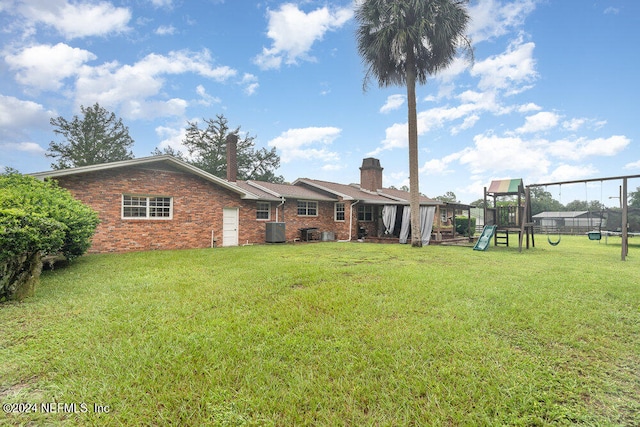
column 207, row 149
column 170, row 151
column 583, row 205
column 403, row 42
column 98, row 137
column 449, row 196
column 543, row 201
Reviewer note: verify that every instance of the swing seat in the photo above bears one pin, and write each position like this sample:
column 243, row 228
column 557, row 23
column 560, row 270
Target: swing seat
column 554, row 243
column 594, row 235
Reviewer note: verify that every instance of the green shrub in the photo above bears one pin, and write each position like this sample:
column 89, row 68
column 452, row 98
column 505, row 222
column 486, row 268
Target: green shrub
column 24, row 237
column 37, row 218
column 462, row 226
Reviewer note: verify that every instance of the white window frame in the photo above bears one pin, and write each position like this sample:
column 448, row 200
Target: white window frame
column 336, row 211
column 148, row 209
column 266, row 207
column 308, row 205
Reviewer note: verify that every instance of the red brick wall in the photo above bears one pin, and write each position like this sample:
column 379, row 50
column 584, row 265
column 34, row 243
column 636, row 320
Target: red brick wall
column 323, row 222
column 197, row 210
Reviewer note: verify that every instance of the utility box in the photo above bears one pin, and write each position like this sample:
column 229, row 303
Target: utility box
column 327, row 236
column 275, row 232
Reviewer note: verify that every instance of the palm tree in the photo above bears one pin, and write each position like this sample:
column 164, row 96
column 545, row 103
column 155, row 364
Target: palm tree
column 403, row 42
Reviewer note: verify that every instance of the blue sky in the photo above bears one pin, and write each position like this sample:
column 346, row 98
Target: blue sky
column 552, row 94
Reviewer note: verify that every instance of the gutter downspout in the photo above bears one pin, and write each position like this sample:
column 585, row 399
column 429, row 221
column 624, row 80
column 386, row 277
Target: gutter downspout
column 350, row 221
column 281, row 203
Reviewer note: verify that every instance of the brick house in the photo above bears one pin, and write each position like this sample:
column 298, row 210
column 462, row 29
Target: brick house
column 161, row 202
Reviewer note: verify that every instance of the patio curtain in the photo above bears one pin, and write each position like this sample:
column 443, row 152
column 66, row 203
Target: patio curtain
column 406, row 224
column 426, row 222
column 427, row 214
column 389, row 218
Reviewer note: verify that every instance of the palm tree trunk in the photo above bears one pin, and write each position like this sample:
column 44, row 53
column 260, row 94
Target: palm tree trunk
column 414, row 190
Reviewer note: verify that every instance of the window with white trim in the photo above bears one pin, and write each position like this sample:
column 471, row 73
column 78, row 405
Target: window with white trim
column 339, row 212
column 147, row 207
column 307, row 208
column 263, row 210
column 365, row 213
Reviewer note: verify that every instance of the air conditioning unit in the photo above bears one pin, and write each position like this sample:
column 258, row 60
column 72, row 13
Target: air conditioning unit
column 275, row 232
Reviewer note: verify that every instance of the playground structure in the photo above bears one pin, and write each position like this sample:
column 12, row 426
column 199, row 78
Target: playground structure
column 509, row 218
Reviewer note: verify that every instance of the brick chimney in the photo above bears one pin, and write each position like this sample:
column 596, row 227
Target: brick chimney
column 232, row 157
column 371, row 174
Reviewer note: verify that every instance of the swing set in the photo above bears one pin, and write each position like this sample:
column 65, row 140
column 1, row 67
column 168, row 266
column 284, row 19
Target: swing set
column 592, row 234
column 595, row 234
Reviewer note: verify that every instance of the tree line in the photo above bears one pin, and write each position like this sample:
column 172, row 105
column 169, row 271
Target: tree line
column 543, row 201
column 99, row 136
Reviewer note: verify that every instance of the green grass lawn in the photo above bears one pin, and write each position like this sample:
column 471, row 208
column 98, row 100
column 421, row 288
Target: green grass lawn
column 331, row 334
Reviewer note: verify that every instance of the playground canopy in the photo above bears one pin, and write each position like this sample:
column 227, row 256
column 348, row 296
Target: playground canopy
column 506, row 187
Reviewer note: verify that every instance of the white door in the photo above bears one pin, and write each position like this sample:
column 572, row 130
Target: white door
column 230, row 227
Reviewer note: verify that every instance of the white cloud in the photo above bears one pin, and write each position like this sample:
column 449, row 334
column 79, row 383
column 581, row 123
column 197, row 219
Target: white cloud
column 573, row 124
column 250, row 82
column 206, row 99
column 439, row 166
column 633, row 165
column 468, row 123
column 26, row 147
column 396, row 135
column 393, row 103
column 527, row 108
column 162, row 3
column 539, row 122
column 75, row 20
column 501, row 154
column 111, row 84
column 332, row 167
column 492, row 18
column 251, row 88
column 18, row 116
column 142, row 109
column 458, row 66
column 171, row 137
column 566, row 172
column 45, row 66
column 581, row 148
column 307, row 143
column 166, row 30
column 512, row 71
column 293, row 32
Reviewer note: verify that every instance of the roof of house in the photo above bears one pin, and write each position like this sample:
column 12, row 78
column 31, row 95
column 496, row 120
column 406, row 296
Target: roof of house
column 303, row 188
column 164, row 159
column 288, row 191
column 382, row 196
